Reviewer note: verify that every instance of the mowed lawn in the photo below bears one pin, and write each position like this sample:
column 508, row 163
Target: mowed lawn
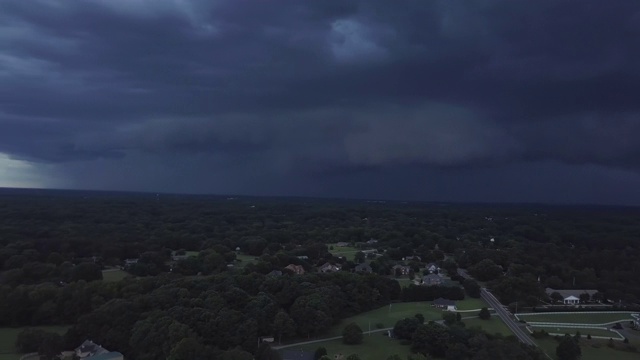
column 492, row 326
column 577, row 318
column 114, row 275
column 8, row 338
column 583, row 331
column 347, row 251
column 589, row 352
column 471, row 304
column 375, row 346
column 244, row 260
column 388, row 316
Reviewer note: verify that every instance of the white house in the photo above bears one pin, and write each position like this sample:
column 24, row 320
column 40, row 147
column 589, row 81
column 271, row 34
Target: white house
column 445, row 304
column 571, row 297
column 571, row 300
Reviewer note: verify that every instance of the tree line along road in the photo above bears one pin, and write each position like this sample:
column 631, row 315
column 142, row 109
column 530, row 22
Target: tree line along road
column 502, row 313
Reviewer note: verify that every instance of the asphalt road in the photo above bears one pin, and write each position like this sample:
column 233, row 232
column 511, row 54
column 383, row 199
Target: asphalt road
column 514, row 326
column 506, row 318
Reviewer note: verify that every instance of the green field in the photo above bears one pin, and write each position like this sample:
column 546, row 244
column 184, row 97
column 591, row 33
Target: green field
column 589, row 352
column 492, row 326
column 8, row 338
column 192, row 253
column 583, row 331
column 374, row 346
column 470, row 304
column 114, row 275
column 594, row 318
column 346, row 251
column 244, row 260
column 388, row 316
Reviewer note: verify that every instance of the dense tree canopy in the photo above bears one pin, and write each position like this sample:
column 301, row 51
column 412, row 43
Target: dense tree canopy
column 54, row 246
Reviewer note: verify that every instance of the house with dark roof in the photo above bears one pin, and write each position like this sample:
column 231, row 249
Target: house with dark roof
column 328, row 268
column 445, row 304
column 403, row 269
column 89, row 349
column 433, row 268
column 275, row 273
column 363, row 268
column 431, row 280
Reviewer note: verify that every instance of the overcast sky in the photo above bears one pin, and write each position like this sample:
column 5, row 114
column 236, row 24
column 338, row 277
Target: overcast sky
column 493, row 100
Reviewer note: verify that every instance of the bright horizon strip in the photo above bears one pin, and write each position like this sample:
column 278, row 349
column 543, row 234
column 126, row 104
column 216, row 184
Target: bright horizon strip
column 18, row 173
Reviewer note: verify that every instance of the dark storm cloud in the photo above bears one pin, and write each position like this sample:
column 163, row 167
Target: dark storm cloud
column 294, row 88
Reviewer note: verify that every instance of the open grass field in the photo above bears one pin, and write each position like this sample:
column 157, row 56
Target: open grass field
column 583, row 331
column 576, row 318
column 388, row 316
column 471, row 304
column 492, row 326
column 114, row 275
column 8, row 338
column 244, row 260
column 588, row 351
column 374, row 346
column 404, row 281
column 192, row 253
column 346, row 251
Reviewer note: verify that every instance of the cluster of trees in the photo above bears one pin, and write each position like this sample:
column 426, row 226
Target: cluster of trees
column 148, row 318
column 429, row 293
column 54, row 244
column 456, row 342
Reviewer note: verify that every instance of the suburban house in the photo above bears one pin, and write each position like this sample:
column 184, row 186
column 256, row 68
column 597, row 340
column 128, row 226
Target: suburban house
column 433, row 268
column 404, row 270
column 363, row 268
column 431, row 280
column 275, row 273
column 444, row 304
column 296, row 269
column 413, row 258
column 342, row 244
column 571, row 297
column 179, row 257
column 130, row 262
column 328, row 267
column 372, row 241
column 303, row 257
column 89, row 350
column 370, row 251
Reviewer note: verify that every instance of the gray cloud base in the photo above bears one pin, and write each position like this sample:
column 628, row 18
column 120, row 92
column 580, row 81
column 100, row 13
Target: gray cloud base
column 311, row 95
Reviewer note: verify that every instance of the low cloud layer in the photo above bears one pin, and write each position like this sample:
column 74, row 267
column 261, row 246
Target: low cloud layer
column 290, row 97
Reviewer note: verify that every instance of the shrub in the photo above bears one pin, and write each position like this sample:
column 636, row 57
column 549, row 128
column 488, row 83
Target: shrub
column 484, row 314
column 540, row 334
column 352, row 334
column 320, row 352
